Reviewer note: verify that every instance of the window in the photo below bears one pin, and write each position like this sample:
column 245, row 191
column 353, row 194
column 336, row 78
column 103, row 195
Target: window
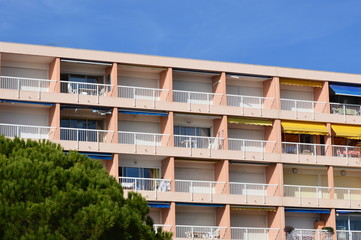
column 80, row 135
column 192, row 131
column 139, row 172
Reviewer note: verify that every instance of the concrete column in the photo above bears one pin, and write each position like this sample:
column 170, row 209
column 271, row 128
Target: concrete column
column 112, row 166
column 274, row 175
column 221, row 174
column 277, row 220
column 166, row 82
column 220, row 129
column 54, row 121
column 168, row 171
column 331, row 181
column 274, row 134
column 112, row 125
column 271, row 89
column 223, row 219
column 113, row 73
column 167, row 127
column 168, row 217
column 328, row 140
column 54, row 74
column 330, row 221
column 322, row 95
column 219, row 87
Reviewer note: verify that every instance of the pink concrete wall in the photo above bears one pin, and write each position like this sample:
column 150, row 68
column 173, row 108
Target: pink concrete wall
column 322, row 95
column 168, row 171
column 219, row 87
column 331, row 181
column 113, row 72
column 112, row 125
column 277, row 220
column 54, row 121
column 112, row 166
column 54, row 74
column 274, row 175
column 221, row 174
column 166, row 82
column 167, row 127
column 168, row 217
column 220, row 129
column 273, row 134
column 223, row 219
column 271, row 89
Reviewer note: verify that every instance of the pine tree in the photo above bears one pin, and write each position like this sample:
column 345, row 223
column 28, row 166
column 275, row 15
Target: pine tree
column 48, row 194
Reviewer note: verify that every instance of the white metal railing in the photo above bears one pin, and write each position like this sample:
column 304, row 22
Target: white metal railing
column 345, row 109
column 306, row 192
column 145, row 139
column 253, row 189
column 243, row 101
column 203, row 232
column 348, row 235
column 309, row 234
column 304, row 148
column 197, row 98
column 84, row 88
column 245, row 233
column 164, row 227
column 346, row 151
column 25, row 84
column 145, row 184
column 85, row 135
column 141, row 93
column 247, row 145
column 198, row 142
column 351, row 194
column 25, row 131
column 193, row 186
column 302, row 105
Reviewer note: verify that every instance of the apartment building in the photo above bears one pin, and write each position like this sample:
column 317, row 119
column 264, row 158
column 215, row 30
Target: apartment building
column 219, row 150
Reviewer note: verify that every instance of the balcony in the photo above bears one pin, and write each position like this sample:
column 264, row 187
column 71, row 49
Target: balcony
column 253, row 192
column 142, row 141
column 25, row 131
column 299, row 195
column 199, row 190
column 256, row 149
column 193, row 99
column 348, row 235
column 254, row 233
column 166, row 228
column 200, row 232
column 350, row 197
column 303, row 109
column 309, row 234
column 153, row 188
column 250, row 105
column 83, row 89
column 141, row 95
column 304, row 152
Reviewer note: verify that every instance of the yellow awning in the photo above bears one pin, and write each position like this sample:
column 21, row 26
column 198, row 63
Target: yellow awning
column 347, row 131
column 251, row 121
column 271, row 209
column 304, row 128
column 307, row 83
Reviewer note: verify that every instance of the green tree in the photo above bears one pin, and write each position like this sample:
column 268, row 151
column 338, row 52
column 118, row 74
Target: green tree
column 47, row 194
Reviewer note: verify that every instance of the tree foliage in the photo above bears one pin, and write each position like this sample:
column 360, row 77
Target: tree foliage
column 47, row 194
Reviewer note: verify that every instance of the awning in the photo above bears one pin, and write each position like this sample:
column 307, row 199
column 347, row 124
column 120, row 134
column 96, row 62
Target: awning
column 38, row 103
column 250, row 121
column 245, row 208
column 200, row 204
column 135, row 112
column 159, row 204
column 346, row 89
column 347, row 211
column 101, row 156
column 307, row 210
column 297, row 82
column 197, row 115
column 94, row 109
column 347, row 131
column 304, row 128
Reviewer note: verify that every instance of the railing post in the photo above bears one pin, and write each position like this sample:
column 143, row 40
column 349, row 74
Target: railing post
column 244, row 148
column 344, row 112
column 153, row 93
column 260, row 106
column 190, row 100
column 298, row 151
column 264, row 194
column 134, row 98
column 135, row 142
column 246, row 234
column 300, row 197
column 39, row 87
column 155, row 148
column 246, row 192
column 296, row 109
column 209, row 102
column 210, row 191
column 97, row 92
column 18, row 87
column 242, row 102
column 349, row 196
column 191, row 188
column 77, row 137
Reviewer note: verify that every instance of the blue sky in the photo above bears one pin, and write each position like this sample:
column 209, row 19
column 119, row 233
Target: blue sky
column 320, row 35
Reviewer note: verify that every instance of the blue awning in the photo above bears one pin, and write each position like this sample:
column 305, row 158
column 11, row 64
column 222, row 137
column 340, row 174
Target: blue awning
column 200, row 204
column 153, row 113
column 100, row 156
column 159, row 204
column 307, row 210
column 38, row 103
column 346, row 89
column 348, row 211
column 84, row 107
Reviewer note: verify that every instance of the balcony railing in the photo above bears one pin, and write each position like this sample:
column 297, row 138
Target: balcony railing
column 85, row 135
column 144, row 139
column 247, row 145
column 25, row 84
column 193, row 186
column 348, row 235
column 248, row 101
column 165, row 228
column 202, row 232
column 351, row 194
column 142, row 93
column 346, row 151
column 253, row 189
column 304, row 148
column 145, row 184
column 198, row 142
column 244, row 233
column 303, row 106
column 306, row 192
column 309, row 234
column 197, row 98
column 25, row 131
column 84, row 88
column 345, row 109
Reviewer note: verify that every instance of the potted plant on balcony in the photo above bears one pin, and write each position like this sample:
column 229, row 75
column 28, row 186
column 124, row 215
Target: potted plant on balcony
column 329, row 230
column 288, row 229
